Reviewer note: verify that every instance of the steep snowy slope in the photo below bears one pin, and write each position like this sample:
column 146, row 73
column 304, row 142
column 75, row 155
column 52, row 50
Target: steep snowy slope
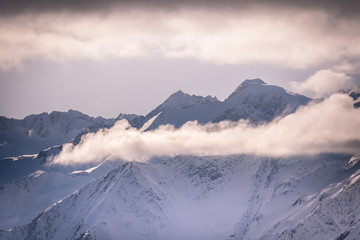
column 111, row 208
column 234, row 197
column 23, row 199
column 337, row 216
column 259, row 102
column 289, row 193
column 41, row 186
column 253, row 100
column 37, row 132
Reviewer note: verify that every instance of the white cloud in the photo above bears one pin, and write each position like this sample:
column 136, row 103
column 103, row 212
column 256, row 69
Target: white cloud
column 332, row 126
column 274, row 36
column 323, row 83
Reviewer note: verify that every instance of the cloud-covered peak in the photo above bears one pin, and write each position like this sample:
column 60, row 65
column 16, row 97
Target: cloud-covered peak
column 355, row 93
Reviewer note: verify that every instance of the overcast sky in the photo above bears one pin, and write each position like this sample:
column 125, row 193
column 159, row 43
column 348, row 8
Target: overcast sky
column 110, row 57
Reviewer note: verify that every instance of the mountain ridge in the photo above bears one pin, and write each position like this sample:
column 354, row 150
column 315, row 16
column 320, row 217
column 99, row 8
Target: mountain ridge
column 40, row 131
column 253, row 100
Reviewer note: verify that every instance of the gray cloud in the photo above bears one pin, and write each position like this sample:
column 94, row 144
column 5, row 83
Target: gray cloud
column 10, row 7
column 279, row 37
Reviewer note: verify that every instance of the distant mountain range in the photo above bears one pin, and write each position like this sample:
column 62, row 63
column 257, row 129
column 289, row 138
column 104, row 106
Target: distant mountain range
column 237, row 197
column 36, row 132
column 253, row 100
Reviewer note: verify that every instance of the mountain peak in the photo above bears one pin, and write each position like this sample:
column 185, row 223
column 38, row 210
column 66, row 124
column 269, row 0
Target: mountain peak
column 246, row 83
column 259, row 102
column 253, row 81
column 178, row 93
column 176, row 98
column 181, row 100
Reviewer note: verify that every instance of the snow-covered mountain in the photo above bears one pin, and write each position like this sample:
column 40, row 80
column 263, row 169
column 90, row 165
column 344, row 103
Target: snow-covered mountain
column 259, row 102
column 38, row 186
column 188, row 197
column 36, row 132
column 185, row 197
column 253, row 100
column 22, row 199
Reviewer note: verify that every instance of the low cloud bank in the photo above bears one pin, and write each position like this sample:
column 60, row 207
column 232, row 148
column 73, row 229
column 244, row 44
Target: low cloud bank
column 332, row 126
column 324, row 83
